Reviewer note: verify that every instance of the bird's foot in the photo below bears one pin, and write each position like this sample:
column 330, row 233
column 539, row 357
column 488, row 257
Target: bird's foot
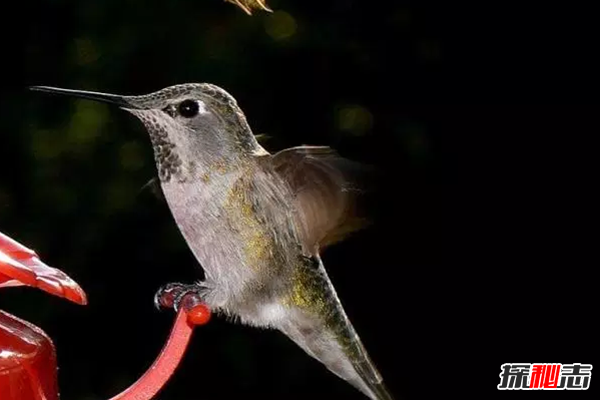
column 177, row 295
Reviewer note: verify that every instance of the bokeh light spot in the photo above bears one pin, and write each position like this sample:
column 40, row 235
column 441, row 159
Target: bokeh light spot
column 85, row 51
column 280, row 25
column 354, row 119
column 86, row 125
column 402, row 18
column 429, row 50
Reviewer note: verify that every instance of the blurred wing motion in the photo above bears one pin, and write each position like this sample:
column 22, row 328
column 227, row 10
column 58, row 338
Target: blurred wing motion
column 325, row 188
column 21, row 266
column 249, row 5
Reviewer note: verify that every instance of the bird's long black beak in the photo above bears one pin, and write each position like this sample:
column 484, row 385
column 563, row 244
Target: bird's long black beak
column 122, row 101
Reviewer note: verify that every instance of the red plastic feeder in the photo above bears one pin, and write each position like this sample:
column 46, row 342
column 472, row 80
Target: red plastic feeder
column 27, row 356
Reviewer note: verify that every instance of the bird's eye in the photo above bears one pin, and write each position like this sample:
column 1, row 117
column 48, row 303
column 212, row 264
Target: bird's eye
column 188, row 108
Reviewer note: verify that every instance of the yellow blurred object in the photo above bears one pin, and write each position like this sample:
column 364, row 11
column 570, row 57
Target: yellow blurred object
column 249, row 5
column 280, row 25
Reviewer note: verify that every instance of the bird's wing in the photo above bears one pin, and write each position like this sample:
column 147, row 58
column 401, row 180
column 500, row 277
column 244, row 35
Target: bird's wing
column 325, row 189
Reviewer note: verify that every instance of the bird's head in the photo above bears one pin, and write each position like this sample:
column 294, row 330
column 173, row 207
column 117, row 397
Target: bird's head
column 187, row 123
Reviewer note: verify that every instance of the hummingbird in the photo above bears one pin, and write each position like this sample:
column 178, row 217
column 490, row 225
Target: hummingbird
column 256, row 222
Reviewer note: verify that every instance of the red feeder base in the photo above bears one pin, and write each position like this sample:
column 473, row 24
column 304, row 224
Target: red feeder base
column 27, row 361
column 27, row 356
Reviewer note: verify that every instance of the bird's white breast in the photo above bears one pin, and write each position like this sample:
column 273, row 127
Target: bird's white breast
column 200, row 211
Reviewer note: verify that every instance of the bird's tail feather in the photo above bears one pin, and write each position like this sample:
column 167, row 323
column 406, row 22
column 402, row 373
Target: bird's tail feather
column 351, row 364
column 329, row 336
column 368, row 372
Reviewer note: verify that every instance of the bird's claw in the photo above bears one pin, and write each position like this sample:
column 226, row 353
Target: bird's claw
column 176, row 295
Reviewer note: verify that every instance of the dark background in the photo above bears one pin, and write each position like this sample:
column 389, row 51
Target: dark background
column 480, row 117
